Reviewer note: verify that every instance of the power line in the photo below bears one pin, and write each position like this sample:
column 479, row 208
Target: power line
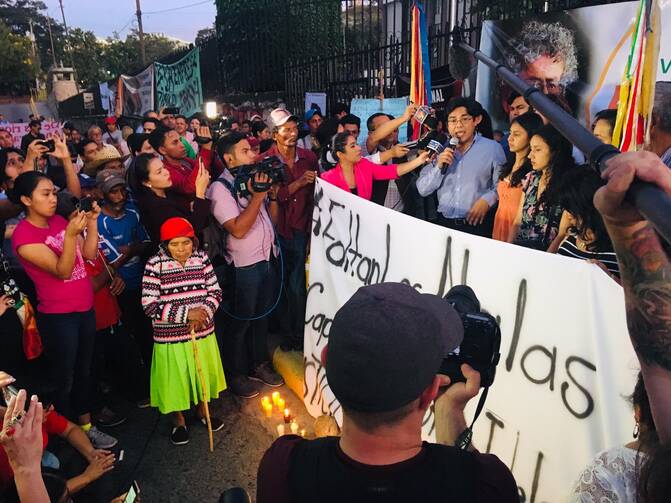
column 178, row 8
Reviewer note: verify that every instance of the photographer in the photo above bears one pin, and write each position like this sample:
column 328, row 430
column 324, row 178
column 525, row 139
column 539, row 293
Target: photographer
column 183, row 170
column 250, row 248
column 465, row 177
column 380, row 455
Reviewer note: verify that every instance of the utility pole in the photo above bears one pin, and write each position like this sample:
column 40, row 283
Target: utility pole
column 51, row 39
column 143, row 56
column 67, row 43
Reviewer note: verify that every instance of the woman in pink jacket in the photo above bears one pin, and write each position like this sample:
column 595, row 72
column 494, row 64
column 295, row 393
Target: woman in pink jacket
column 355, row 174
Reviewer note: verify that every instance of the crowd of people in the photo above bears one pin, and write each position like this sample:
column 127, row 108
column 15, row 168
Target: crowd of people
column 130, row 248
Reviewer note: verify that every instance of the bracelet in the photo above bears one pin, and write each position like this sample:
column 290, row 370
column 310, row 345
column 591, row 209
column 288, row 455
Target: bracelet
column 464, row 439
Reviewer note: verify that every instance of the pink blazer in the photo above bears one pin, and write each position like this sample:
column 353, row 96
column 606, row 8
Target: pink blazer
column 365, row 172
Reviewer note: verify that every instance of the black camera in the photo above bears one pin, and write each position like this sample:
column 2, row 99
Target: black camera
column 84, row 204
column 219, row 126
column 271, row 166
column 482, row 339
column 50, row 144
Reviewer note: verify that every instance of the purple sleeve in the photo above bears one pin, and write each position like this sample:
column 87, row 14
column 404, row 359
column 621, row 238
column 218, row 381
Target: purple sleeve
column 496, row 482
column 272, row 479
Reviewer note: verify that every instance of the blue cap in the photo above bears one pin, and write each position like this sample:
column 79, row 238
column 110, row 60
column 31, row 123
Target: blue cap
column 86, row 182
column 311, row 113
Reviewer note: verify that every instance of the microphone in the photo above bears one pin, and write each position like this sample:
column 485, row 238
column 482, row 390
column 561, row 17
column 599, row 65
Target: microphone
column 454, row 141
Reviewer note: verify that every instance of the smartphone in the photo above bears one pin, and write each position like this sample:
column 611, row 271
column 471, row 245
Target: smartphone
column 50, row 144
column 171, row 110
column 85, row 204
column 133, row 492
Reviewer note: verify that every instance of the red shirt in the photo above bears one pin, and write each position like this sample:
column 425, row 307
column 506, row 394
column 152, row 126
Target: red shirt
column 55, row 424
column 295, row 209
column 105, row 304
column 184, row 173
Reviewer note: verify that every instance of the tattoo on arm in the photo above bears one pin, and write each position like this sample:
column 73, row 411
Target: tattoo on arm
column 646, row 278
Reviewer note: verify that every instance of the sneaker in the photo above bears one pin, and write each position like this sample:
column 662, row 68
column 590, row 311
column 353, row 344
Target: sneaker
column 179, row 435
column 101, row 440
column 108, row 418
column 267, row 375
column 144, row 404
column 243, row 387
column 217, row 424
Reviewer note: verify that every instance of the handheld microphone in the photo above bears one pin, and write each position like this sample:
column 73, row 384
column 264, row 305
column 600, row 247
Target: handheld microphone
column 454, row 141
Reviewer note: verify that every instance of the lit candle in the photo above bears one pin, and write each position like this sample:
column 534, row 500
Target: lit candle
column 294, row 427
column 265, row 400
column 287, row 416
column 303, row 433
column 268, row 409
column 276, row 397
column 280, row 430
column 281, row 403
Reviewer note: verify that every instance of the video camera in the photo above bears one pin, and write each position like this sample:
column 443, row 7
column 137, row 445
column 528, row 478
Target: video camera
column 271, row 166
column 482, row 339
column 219, row 126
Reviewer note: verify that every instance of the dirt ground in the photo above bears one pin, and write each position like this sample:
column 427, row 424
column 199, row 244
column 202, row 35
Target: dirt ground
column 190, row 473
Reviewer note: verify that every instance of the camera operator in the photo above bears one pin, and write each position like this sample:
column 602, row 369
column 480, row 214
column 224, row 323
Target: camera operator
column 386, row 345
column 465, row 177
column 250, row 248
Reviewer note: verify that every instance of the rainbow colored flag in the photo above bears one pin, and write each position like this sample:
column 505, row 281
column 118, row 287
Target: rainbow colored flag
column 637, row 91
column 420, row 69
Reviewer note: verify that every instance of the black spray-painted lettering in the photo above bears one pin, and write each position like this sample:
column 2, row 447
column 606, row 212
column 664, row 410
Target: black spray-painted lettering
column 564, row 387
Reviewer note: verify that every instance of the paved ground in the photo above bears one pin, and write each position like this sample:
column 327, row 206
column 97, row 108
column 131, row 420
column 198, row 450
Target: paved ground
column 190, row 473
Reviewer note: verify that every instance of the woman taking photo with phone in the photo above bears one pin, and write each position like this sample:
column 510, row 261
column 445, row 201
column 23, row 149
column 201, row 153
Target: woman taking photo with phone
column 52, row 252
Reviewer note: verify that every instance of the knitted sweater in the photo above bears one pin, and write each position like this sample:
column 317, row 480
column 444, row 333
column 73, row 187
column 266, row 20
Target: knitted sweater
column 169, row 291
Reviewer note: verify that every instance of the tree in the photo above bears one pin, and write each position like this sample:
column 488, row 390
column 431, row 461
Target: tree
column 123, row 56
column 204, row 35
column 17, row 64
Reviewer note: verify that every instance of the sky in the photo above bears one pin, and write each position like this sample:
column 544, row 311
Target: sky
column 103, row 17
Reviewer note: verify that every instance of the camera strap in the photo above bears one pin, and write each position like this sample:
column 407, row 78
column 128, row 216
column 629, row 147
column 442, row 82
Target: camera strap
column 465, row 438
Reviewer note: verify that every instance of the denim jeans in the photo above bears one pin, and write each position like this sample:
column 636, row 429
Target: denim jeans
column 292, row 308
column 69, row 340
column 245, row 344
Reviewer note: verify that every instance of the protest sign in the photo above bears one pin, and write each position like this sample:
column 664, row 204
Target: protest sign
column 138, row 92
column 566, row 360
column 20, row 129
column 364, row 108
column 179, row 84
column 107, row 97
column 318, row 99
column 595, row 58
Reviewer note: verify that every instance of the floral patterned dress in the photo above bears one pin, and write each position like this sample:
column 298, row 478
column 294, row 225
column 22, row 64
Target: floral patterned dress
column 540, row 223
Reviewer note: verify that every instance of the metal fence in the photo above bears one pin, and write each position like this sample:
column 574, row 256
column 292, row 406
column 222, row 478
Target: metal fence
column 346, row 48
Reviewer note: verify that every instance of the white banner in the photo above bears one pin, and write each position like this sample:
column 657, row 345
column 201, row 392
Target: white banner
column 138, row 92
column 107, row 97
column 20, row 129
column 597, row 41
column 566, row 360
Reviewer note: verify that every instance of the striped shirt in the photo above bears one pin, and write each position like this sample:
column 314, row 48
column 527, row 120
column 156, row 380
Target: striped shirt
column 170, row 290
column 568, row 248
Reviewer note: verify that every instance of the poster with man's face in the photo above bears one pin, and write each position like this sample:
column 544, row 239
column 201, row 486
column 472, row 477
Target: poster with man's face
column 578, row 57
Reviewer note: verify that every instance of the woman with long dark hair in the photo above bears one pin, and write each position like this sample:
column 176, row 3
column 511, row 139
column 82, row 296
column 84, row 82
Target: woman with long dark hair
column 613, row 475
column 509, row 188
column 150, row 182
column 52, row 252
column 355, row 174
column 539, row 215
column 587, row 237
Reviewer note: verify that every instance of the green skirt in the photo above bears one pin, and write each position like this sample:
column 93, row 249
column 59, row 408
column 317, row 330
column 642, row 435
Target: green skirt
column 175, row 384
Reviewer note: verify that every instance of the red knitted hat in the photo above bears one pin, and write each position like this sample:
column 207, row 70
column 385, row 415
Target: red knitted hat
column 177, row 227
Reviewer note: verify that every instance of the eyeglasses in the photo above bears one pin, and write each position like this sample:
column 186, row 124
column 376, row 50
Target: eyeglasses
column 461, row 120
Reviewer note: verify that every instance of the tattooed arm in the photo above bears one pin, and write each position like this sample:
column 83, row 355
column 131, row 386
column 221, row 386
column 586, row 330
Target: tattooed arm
column 646, row 275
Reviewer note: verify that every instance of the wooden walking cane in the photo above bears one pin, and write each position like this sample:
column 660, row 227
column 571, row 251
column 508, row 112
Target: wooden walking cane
column 203, row 388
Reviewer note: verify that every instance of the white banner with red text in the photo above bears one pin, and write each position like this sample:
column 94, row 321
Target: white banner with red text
column 566, row 360
column 20, row 129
